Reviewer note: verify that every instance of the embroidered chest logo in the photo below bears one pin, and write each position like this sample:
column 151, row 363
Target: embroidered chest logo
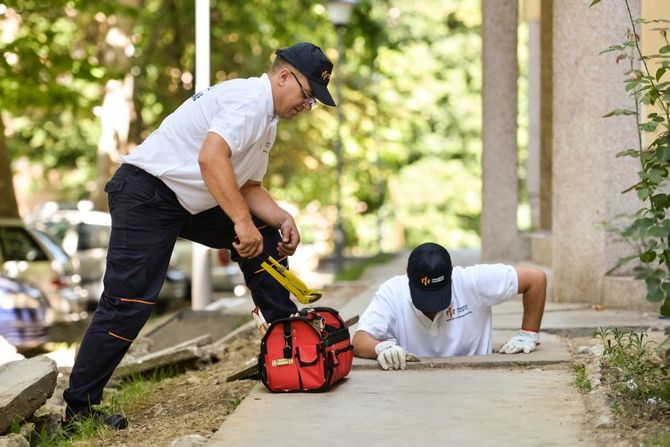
column 456, row 313
column 266, row 147
column 325, row 75
column 425, row 280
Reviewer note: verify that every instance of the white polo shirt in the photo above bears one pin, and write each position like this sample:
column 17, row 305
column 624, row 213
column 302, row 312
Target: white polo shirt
column 241, row 111
column 464, row 328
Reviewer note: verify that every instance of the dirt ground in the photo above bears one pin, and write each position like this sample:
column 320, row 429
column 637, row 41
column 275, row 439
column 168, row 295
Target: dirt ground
column 195, row 402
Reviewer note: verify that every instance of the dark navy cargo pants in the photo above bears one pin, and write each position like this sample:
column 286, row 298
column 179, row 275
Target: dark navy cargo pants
column 146, row 221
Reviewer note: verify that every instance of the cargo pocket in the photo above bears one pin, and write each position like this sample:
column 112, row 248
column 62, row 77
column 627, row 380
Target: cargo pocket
column 312, row 374
column 111, row 188
column 126, row 274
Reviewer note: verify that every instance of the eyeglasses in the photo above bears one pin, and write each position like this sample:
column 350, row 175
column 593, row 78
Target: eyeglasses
column 307, row 99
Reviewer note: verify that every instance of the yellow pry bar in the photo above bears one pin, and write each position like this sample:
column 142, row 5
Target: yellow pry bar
column 290, row 282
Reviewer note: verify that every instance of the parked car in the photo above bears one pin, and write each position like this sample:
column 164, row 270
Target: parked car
column 31, row 255
column 25, row 315
column 84, row 235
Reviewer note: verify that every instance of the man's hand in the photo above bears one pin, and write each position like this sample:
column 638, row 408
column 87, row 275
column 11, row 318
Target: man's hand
column 525, row 341
column 290, row 237
column 390, row 355
column 250, row 240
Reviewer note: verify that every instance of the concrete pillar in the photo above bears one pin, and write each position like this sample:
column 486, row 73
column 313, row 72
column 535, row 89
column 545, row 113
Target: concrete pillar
column 546, row 112
column 500, row 236
column 587, row 177
column 533, row 175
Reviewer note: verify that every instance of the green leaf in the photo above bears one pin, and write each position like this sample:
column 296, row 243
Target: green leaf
column 665, row 311
column 663, row 153
column 629, row 153
column 594, row 2
column 655, row 175
column 664, row 49
column 648, row 256
column 654, row 291
column 643, row 193
column 618, row 112
column 660, row 72
column 660, row 200
column 650, row 126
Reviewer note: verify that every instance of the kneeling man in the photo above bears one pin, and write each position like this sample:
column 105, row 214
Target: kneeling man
column 438, row 310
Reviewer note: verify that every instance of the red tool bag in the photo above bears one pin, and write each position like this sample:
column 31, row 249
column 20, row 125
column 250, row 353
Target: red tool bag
column 309, row 352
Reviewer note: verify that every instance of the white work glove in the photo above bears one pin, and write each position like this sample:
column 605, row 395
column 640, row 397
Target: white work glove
column 525, row 341
column 390, row 355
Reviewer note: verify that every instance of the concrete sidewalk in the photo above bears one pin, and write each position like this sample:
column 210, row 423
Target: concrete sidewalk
column 501, row 400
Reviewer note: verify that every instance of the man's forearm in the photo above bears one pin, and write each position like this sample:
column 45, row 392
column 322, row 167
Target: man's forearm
column 364, row 345
column 533, row 303
column 262, row 205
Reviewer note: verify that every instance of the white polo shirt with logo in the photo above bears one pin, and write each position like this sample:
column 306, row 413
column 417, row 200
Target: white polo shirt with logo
column 464, row 328
column 241, row 111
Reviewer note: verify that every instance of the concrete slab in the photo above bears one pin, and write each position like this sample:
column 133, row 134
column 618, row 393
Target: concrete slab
column 551, row 351
column 569, row 319
column 502, row 407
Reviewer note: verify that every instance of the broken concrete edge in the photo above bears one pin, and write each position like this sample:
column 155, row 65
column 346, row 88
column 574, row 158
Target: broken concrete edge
column 250, row 372
column 154, row 361
column 455, row 363
column 22, row 402
column 182, row 352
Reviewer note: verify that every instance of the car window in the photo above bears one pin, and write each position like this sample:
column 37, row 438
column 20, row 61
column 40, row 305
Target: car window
column 93, row 236
column 16, row 244
column 55, row 229
column 53, row 247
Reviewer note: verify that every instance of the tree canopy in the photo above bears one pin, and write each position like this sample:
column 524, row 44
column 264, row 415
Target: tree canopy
column 410, row 76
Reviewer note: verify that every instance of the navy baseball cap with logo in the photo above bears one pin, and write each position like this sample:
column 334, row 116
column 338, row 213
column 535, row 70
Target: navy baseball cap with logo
column 314, row 65
column 429, row 271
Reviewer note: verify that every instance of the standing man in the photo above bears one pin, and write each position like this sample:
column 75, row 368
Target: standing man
column 438, row 310
column 198, row 176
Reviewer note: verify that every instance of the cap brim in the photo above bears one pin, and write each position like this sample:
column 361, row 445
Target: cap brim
column 322, row 93
column 430, row 300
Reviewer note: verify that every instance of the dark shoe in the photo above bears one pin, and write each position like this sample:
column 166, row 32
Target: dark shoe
column 115, row 421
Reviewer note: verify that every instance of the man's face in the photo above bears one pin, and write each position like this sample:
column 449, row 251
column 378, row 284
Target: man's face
column 297, row 96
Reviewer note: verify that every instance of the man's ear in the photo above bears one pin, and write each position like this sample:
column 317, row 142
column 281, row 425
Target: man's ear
column 283, row 76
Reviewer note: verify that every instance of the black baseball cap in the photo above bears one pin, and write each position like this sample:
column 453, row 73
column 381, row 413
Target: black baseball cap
column 429, row 271
column 314, row 65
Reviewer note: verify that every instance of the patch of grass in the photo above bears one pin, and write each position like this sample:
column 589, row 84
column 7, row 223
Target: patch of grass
column 582, row 382
column 135, row 388
column 80, row 431
column 356, row 270
column 637, row 381
column 132, row 392
column 661, row 440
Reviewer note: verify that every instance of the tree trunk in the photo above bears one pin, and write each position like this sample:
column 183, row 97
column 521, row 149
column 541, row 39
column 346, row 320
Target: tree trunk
column 8, row 206
column 117, row 113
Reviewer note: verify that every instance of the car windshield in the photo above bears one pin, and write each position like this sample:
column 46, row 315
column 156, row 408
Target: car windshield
column 55, row 249
column 16, row 244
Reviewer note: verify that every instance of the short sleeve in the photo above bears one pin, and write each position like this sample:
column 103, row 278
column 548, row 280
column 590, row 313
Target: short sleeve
column 240, row 121
column 495, row 283
column 378, row 319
